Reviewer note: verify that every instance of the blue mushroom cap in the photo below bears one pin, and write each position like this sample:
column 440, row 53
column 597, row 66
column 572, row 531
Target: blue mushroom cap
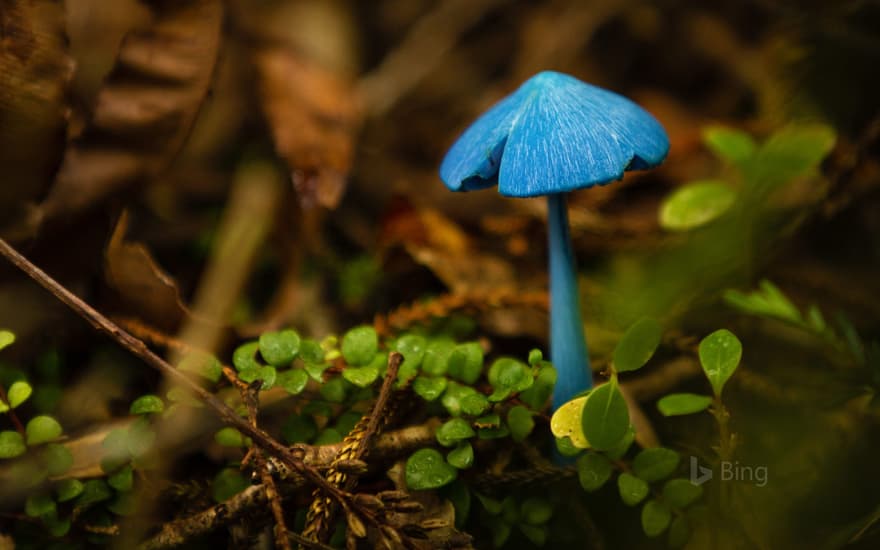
column 552, row 135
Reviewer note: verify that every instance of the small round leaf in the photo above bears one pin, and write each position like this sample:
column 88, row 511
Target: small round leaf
column 429, row 388
column 279, row 348
column 426, row 469
column 566, row 423
column 361, row 377
column 359, row 345
column 655, row 463
column 454, row 431
column 465, row 362
column 637, row 345
column 41, row 429
column 520, row 422
column 147, row 404
column 720, row 354
column 632, row 489
column 593, row 471
column 292, row 380
column 68, row 489
column 655, row 518
column 11, row 444
column 18, row 393
column 462, row 456
column 681, row 493
column 605, row 419
column 696, row 204
column 677, row 404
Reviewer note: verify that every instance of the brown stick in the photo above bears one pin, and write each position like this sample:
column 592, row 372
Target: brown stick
column 139, row 349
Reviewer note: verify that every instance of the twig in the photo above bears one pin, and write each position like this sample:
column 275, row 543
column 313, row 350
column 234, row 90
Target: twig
column 19, row 427
column 388, row 445
column 139, row 349
column 355, row 446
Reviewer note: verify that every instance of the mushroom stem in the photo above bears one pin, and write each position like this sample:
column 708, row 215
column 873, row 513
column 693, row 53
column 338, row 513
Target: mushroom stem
column 568, row 347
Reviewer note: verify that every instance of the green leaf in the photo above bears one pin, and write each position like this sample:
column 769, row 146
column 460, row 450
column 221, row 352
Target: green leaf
column 18, row 393
column 459, row 495
column 679, row 532
column 333, row 390
column 123, row 480
column 539, row 394
column 734, row 146
column 6, row 338
column 310, row 351
column 41, row 429
column 68, row 489
column 3, row 406
column 265, row 374
column 11, row 444
column 57, row 527
column 696, row 204
column 58, row 458
column 474, row 404
column 140, row 437
column 536, row 356
column 465, row 362
column 347, row 421
column 567, row 422
column 453, row 431
column 509, row 375
column 426, row 469
column 793, row 151
column 39, row 505
column 360, row 345
column 637, row 345
column 316, row 371
column 94, row 490
column 655, row 518
column 429, row 388
column 594, row 470
column 437, row 353
column 230, row 437
column 520, row 422
column 361, row 377
column 245, row 356
column 537, row 534
column 632, row 489
column 458, row 400
column 565, row 447
column 279, row 348
column 412, row 347
column 605, row 419
column 299, row 429
column 720, row 353
column 491, row 505
column 681, row 493
column 536, row 511
column 228, row 483
column 293, row 381
column 622, row 446
column 202, row 364
column 767, row 301
column 462, row 456
column 147, row 404
column 489, row 421
column 677, row 404
column 655, row 463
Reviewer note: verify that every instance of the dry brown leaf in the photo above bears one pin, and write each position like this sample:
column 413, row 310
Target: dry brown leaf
column 436, row 242
column 313, row 115
column 142, row 285
column 35, row 72
column 146, row 108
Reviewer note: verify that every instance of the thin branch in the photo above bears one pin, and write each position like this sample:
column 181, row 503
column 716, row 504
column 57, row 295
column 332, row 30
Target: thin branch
column 139, row 349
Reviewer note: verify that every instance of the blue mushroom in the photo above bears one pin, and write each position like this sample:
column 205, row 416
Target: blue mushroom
column 553, row 135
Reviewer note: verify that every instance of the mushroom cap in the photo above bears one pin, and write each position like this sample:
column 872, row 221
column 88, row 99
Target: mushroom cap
column 552, row 135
